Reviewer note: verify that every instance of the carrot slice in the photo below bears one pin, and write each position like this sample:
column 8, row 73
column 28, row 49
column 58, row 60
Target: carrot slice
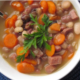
column 10, row 40
column 64, row 55
column 44, row 6
column 54, row 18
column 7, row 22
column 40, row 19
column 51, row 52
column 25, row 68
column 59, row 39
column 70, row 56
column 30, row 61
column 55, row 27
column 51, row 7
column 30, row 2
column 14, row 17
column 20, row 49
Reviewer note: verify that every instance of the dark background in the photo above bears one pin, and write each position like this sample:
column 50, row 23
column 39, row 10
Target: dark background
column 73, row 75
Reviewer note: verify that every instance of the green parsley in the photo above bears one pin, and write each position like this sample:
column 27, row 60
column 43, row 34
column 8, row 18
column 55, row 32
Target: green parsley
column 37, row 39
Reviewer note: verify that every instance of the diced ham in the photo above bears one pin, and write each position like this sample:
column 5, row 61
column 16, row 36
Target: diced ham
column 37, row 71
column 13, row 56
column 44, row 58
column 73, row 14
column 55, row 60
column 38, row 61
column 66, row 18
column 5, row 49
column 38, row 52
column 49, row 69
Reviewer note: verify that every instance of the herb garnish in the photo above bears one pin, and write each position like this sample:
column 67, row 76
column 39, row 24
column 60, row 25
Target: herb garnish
column 38, row 38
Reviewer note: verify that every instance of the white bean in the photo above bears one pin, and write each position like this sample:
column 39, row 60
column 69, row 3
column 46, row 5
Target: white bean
column 70, row 24
column 33, row 31
column 39, row 11
column 19, row 23
column 18, row 29
column 66, row 5
column 24, row 32
column 77, row 28
column 51, row 31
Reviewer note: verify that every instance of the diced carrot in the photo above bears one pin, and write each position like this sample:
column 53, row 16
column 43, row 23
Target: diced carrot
column 20, row 49
column 25, row 68
column 11, row 23
column 59, row 39
column 7, row 31
column 10, row 40
column 55, row 27
column 17, row 6
column 30, row 2
column 51, row 52
column 70, row 56
column 51, row 7
column 7, row 22
column 44, row 6
column 14, row 17
column 30, row 61
column 64, row 55
column 54, row 18
column 40, row 19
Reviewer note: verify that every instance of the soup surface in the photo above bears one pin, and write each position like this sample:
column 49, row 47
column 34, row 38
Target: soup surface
column 38, row 37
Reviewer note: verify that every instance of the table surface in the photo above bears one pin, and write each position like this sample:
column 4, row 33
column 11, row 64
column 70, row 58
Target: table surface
column 73, row 75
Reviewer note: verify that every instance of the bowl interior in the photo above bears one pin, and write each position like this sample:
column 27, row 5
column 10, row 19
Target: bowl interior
column 12, row 73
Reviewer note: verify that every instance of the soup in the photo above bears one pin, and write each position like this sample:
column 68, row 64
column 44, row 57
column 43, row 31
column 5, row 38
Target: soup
column 36, row 38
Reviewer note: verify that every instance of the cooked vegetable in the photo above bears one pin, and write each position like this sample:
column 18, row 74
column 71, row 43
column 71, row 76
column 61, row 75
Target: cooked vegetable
column 51, row 52
column 18, row 51
column 14, row 17
column 55, row 27
column 25, row 68
column 44, row 6
column 54, row 18
column 10, row 40
column 59, row 39
column 51, row 7
column 7, row 22
column 30, row 61
column 70, row 56
column 11, row 23
column 39, row 38
column 30, row 2
column 17, row 6
column 40, row 19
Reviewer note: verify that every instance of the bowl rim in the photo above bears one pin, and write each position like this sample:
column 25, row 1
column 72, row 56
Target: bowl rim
column 69, row 66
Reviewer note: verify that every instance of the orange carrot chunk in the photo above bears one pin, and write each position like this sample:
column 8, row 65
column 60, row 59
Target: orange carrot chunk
column 51, row 52
column 30, row 2
column 44, row 6
column 59, row 39
column 10, row 40
column 51, row 7
column 30, row 61
column 17, row 6
column 70, row 56
column 25, row 68
column 14, row 17
column 7, row 22
column 20, row 49
column 40, row 19
column 55, row 27
column 7, row 31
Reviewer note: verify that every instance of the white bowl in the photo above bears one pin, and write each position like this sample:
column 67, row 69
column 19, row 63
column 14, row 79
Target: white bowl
column 10, row 72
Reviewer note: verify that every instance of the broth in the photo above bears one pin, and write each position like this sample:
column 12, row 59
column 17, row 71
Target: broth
column 7, row 8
